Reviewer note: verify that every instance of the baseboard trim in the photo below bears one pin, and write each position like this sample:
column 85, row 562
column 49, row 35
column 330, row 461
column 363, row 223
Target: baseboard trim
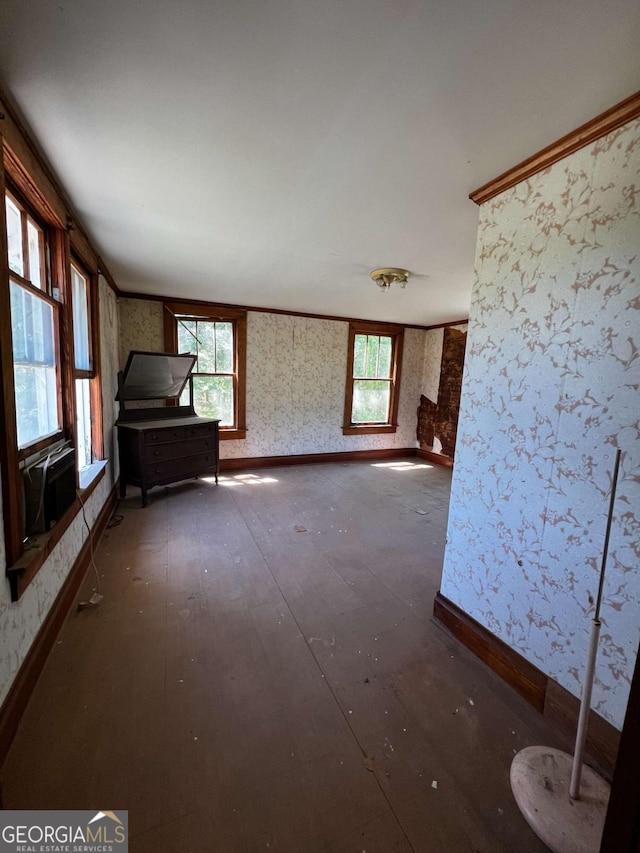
column 526, row 679
column 437, row 458
column 546, row 695
column 23, row 684
column 312, row 458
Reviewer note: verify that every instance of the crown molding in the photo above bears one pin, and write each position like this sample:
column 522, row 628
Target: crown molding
column 599, row 126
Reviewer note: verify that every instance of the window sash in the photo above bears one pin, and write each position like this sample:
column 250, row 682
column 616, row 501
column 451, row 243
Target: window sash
column 371, row 397
column 84, row 444
column 81, row 320
column 36, row 367
column 25, row 244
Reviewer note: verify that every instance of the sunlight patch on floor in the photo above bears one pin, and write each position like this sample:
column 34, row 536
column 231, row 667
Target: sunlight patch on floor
column 241, row 480
column 401, row 465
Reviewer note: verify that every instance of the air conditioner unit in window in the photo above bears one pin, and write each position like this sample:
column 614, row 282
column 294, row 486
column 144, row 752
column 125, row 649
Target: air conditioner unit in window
column 49, row 489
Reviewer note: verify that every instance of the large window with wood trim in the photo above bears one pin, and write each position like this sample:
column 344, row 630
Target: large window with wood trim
column 373, row 378
column 50, row 405
column 217, row 337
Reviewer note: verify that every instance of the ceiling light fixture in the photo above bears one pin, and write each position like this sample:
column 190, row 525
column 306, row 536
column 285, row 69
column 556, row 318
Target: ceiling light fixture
column 387, row 276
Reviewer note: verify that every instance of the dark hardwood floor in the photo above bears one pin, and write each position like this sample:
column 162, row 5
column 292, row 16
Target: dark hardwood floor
column 264, row 673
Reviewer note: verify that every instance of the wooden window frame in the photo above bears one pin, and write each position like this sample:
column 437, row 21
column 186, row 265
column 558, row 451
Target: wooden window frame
column 238, row 317
column 24, row 561
column 396, row 333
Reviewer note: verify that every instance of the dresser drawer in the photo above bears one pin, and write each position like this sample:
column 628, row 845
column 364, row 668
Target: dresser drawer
column 178, row 449
column 200, row 431
column 157, row 436
column 179, row 469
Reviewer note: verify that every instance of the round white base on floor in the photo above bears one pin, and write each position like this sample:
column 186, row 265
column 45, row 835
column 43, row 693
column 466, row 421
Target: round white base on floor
column 540, row 783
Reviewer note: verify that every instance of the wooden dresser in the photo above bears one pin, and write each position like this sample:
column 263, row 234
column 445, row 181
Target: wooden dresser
column 165, row 450
column 168, row 442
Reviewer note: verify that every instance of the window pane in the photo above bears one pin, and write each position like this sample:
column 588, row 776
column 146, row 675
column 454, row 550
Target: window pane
column 371, row 366
column 359, row 354
column 14, row 237
column 384, row 360
column 224, row 348
column 35, row 238
column 206, row 347
column 83, row 423
column 34, row 364
column 79, row 293
column 370, row 401
column 187, row 338
column 213, row 398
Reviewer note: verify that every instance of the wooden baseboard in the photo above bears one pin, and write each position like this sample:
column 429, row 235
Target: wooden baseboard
column 310, row 458
column 545, row 694
column 20, row 692
column 437, row 458
column 525, row 678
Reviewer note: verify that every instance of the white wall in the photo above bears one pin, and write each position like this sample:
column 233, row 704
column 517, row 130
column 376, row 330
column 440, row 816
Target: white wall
column 296, row 371
column 21, row 621
column 551, row 388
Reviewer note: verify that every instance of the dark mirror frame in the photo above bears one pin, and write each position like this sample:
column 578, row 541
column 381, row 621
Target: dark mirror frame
column 154, row 375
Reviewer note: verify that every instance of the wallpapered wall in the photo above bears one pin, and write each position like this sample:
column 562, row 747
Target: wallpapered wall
column 20, row 622
column 550, row 391
column 296, row 368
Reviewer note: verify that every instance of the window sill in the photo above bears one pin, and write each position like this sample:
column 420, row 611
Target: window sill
column 89, row 474
column 368, row 429
column 39, row 548
column 232, row 434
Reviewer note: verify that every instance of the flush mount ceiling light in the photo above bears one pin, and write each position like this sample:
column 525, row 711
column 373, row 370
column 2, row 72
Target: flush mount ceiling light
column 387, row 276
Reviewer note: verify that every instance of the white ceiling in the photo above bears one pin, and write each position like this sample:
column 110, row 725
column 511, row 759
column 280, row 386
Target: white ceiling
column 272, row 152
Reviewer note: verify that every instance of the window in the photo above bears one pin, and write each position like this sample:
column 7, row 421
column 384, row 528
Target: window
column 34, row 331
column 217, row 337
column 87, row 390
column 373, row 378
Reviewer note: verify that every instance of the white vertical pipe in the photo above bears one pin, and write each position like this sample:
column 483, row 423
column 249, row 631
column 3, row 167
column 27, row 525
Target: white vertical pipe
column 585, row 705
column 585, row 708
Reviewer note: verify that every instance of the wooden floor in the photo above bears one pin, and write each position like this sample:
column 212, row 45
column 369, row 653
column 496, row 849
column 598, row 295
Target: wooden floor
column 264, row 673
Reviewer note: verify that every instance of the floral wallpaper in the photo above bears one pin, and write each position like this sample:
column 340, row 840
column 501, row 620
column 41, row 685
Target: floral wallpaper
column 141, row 327
column 21, row 621
column 433, row 340
column 551, row 390
column 296, row 369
